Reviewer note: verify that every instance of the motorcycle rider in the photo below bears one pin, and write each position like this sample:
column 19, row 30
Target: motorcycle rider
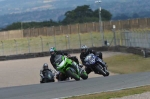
column 84, row 52
column 60, row 76
column 44, row 69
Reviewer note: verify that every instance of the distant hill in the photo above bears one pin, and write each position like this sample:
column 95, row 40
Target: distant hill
column 128, row 7
column 42, row 10
column 37, row 16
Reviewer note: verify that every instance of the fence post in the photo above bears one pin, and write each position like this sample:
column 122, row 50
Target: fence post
column 2, row 47
column 79, row 39
column 91, row 38
column 68, row 41
column 41, row 43
column 148, row 38
column 46, row 29
column 16, row 46
column 114, row 34
column 30, row 32
column 54, row 37
column 29, row 44
column 93, row 26
column 60, row 28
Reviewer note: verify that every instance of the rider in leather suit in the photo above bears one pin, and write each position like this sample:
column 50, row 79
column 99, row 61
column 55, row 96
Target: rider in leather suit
column 84, row 52
column 60, row 76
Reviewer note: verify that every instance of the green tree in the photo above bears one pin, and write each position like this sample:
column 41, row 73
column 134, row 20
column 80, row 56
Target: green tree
column 84, row 14
column 26, row 25
column 121, row 17
column 135, row 15
column 13, row 26
column 81, row 14
column 106, row 15
column 78, row 15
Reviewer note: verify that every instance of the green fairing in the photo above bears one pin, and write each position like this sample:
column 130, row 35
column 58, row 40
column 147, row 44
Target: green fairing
column 64, row 65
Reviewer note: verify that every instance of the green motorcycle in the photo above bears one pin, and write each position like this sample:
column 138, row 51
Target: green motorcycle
column 70, row 68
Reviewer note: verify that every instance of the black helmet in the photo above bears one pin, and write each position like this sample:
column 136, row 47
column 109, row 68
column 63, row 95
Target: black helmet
column 84, row 48
column 45, row 66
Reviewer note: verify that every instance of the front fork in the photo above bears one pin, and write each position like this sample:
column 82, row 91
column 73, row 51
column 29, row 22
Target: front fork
column 77, row 68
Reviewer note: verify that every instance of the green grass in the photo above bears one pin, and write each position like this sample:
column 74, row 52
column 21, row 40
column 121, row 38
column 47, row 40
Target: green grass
column 114, row 94
column 61, row 42
column 122, row 64
column 128, row 63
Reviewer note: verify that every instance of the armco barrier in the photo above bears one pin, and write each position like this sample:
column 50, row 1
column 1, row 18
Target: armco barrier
column 135, row 50
column 23, row 56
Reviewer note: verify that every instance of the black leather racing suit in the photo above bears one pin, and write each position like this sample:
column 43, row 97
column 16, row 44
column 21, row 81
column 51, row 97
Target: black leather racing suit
column 42, row 73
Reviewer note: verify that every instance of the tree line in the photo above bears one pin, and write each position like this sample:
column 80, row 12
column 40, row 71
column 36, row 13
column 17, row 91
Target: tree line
column 81, row 14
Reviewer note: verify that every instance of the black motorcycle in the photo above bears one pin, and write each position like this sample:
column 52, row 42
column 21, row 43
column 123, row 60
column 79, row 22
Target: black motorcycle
column 48, row 76
column 96, row 64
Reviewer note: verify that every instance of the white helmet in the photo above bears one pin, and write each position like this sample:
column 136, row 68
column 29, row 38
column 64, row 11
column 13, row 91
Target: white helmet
column 52, row 49
column 84, row 48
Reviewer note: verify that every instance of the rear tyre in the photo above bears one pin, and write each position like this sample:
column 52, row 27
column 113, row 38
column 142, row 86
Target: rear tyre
column 73, row 75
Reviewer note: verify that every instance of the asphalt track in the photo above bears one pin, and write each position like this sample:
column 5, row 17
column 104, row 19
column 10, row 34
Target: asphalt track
column 74, row 88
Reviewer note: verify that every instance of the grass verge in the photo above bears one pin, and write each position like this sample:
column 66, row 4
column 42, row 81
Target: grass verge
column 114, row 94
column 128, row 63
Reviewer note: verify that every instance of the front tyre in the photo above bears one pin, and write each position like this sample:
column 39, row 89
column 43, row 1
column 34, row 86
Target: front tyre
column 101, row 71
column 52, row 80
column 73, row 75
column 107, row 74
column 84, row 75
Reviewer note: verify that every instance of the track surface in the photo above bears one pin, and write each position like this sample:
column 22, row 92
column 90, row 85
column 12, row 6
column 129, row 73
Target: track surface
column 73, row 88
column 24, row 74
column 27, row 71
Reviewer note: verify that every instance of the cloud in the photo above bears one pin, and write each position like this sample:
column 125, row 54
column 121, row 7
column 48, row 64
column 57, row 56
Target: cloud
column 45, row 1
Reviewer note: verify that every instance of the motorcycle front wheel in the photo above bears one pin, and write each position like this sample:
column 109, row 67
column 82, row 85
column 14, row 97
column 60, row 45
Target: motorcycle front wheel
column 84, row 75
column 73, row 75
column 101, row 71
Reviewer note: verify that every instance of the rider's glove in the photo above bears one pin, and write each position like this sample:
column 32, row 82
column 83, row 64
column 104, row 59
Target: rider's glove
column 42, row 75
